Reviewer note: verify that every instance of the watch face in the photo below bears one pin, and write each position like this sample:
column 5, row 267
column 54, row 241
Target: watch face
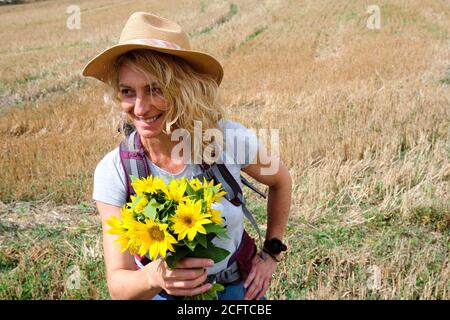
column 274, row 246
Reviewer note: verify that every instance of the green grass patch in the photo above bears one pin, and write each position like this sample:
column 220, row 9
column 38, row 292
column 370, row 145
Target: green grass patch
column 256, row 33
column 223, row 19
column 202, row 6
column 328, row 253
column 446, row 78
column 38, row 260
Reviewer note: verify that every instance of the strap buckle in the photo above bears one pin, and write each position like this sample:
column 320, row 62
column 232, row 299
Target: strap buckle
column 228, row 275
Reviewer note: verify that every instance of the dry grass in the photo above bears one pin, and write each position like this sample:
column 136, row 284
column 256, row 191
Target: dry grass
column 363, row 115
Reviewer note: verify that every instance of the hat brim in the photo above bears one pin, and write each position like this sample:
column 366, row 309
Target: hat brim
column 203, row 63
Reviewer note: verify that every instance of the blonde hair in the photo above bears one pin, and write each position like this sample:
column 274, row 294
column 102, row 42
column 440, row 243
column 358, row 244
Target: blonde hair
column 190, row 95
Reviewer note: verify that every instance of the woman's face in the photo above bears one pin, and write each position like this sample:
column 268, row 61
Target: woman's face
column 143, row 101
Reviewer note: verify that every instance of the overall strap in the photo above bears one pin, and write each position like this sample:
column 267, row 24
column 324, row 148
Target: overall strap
column 133, row 160
column 251, row 186
column 132, row 157
column 220, row 173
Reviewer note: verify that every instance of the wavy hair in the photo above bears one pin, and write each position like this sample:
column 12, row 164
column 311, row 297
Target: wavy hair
column 191, row 96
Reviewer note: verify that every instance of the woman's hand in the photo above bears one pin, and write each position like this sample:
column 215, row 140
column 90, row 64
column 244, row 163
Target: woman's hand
column 258, row 279
column 187, row 279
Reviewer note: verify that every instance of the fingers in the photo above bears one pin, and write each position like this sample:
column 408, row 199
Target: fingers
column 186, row 283
column 258, row 280
column 257, row 288
column 188, row 287
column 188, row 278
column 183, row 274
column 190, row 292
column 264, row 290
column 253, row 289
column 250, row 278
column 252, row 284
column 252, row 273
column 188, row 263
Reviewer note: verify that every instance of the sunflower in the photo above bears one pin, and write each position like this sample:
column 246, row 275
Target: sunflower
column 159, row 184
column 148, row 185
column 177, row 189
column 189, row 219
column 124, row 229
column 207, row 183
column 219, row 195
column 138, row 203
column 216, row 216
column 154, row 239
column 195, row 184
column 209, row 198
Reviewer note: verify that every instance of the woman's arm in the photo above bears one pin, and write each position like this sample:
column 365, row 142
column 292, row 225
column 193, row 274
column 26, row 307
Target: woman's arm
column 279, row 197
column 278, row 205
column 124, row 282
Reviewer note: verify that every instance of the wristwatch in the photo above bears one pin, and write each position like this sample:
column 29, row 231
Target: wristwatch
column 273, row 247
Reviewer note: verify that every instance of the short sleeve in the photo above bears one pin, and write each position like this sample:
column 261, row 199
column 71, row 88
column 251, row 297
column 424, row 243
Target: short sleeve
column 110, row 181
column 240, row 143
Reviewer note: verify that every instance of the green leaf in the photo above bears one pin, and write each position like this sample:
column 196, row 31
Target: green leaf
column 158, row 205
column 136, row 201
column 153, row 208
column 160, row 197
column 199, row 194
column 150, row 211
column 212, row 252
column 189, row 190
column 190, row 244
column 211, row 294
column 166, row 210
column 210, row 236
column 217, row 287
column 203, row 206
column 213, row 189
column 139, row 217
column 201, row 238
column 218, row 230
column 180, row 253
column 153, row 202
column 133, row 178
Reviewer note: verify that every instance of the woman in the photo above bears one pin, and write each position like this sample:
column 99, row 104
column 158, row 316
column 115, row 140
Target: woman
column 162, row 85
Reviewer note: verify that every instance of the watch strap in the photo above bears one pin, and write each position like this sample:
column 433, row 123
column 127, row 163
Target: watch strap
column 270, row 254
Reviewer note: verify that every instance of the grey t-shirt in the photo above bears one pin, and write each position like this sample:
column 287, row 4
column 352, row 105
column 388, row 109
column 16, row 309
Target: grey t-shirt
column 240, row 149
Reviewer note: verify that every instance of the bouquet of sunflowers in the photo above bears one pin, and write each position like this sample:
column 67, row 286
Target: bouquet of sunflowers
column 173, row 221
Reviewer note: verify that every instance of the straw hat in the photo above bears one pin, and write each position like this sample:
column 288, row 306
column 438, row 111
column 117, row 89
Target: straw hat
column 147, row 31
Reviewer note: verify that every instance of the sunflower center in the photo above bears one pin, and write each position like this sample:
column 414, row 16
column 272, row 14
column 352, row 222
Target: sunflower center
column 187, row 221
column 156, row 233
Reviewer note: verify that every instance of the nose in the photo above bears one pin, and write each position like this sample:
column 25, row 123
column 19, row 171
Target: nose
column 141, row 105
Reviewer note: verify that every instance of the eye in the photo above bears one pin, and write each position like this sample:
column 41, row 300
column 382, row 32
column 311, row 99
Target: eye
column 155, row 91
column 125, row 92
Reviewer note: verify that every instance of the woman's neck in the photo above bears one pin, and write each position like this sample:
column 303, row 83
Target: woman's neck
column 159, row 149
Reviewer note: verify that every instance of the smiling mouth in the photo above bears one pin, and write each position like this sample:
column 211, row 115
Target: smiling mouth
column 150, row 120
